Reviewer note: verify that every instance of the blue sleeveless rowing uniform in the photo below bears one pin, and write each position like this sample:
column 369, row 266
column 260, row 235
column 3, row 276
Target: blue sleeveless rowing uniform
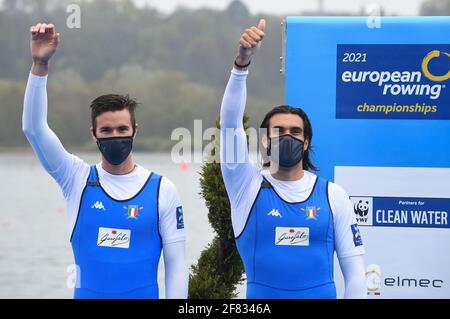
column 287, row 248
column 116, row 243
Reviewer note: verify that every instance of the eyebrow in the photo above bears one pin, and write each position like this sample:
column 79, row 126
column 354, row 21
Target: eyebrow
column 284, row 127
column 118, row 127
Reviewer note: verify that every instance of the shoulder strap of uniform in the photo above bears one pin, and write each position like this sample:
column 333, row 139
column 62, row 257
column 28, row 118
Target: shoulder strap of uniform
column 93, row 177
column 265, row 183
column 155, row 176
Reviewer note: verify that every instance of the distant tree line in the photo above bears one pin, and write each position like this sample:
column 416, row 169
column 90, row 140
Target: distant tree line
column 175, row 65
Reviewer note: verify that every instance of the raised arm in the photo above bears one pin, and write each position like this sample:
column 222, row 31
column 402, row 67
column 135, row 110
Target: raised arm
column 52, row 155
column 233, row 150
column 241, row 177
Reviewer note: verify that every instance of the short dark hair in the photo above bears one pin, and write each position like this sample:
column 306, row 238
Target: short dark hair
column 113, row 102
column 307, row 132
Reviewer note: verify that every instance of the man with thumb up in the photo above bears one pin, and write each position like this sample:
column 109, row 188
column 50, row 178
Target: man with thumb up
column 287, row 221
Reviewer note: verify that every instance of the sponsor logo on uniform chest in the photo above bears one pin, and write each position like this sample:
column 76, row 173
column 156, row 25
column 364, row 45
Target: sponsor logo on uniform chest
column 113, row 237
column 292, row 236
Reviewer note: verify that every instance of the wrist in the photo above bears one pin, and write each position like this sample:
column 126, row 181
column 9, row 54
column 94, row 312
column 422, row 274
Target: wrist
column 242, row 63
column 40, row 62
column 39, row 68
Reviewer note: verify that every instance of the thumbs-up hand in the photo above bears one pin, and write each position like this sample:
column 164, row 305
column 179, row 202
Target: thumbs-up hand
column 249, row 42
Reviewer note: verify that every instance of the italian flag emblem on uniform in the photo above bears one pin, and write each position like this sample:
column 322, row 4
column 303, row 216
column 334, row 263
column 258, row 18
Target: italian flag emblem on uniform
column 132, row 211
column 311, row 212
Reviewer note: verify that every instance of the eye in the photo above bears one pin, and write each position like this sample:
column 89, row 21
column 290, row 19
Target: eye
column 296, row 131
column 123, row 128
column 276, row 131
column 106, row 130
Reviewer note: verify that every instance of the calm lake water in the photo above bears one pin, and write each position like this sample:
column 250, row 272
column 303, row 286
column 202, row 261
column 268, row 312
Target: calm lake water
column 35, row 253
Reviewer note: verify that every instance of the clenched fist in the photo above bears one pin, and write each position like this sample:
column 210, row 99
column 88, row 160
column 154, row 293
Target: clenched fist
column 43, row 42
column 249, row 42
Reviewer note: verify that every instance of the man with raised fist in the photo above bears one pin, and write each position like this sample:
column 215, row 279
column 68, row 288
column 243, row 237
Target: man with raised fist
column 121, row 215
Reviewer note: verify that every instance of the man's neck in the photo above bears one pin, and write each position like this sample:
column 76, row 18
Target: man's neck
column 126, row 167
column 288, row 174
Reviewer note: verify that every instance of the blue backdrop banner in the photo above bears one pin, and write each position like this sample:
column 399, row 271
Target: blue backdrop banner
column 377, row 98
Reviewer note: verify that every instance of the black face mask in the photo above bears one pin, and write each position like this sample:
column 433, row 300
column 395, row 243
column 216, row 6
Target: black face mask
column 288, row 148
column 115, row 149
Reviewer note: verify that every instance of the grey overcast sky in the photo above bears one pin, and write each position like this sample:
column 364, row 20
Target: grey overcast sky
column 290, row 7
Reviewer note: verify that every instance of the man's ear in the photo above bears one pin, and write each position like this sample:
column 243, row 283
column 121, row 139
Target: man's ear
column 93, row 134
column 306, row 145
column 135, row 130
column 265, row 142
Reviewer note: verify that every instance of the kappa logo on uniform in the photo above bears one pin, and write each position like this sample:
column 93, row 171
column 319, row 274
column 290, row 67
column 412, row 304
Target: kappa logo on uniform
column 180, row 220
column 133, row 211
column 292, row 236
column 275, row 213
column 311, row 212
column 112, row 237
column 98, row 205
column 356, row 235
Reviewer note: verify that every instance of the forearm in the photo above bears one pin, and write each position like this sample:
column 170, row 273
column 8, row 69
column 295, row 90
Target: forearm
column 234, row 99
column 353, row 270
column 233, row 138
column 39, row 68
column 176, row 272
column 47, row 146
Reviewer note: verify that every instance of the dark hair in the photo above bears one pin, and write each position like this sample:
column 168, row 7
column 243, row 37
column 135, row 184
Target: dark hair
column 112, row 102
column 307, row 131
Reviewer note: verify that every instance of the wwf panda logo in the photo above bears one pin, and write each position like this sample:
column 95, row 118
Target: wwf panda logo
column 361, row 208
